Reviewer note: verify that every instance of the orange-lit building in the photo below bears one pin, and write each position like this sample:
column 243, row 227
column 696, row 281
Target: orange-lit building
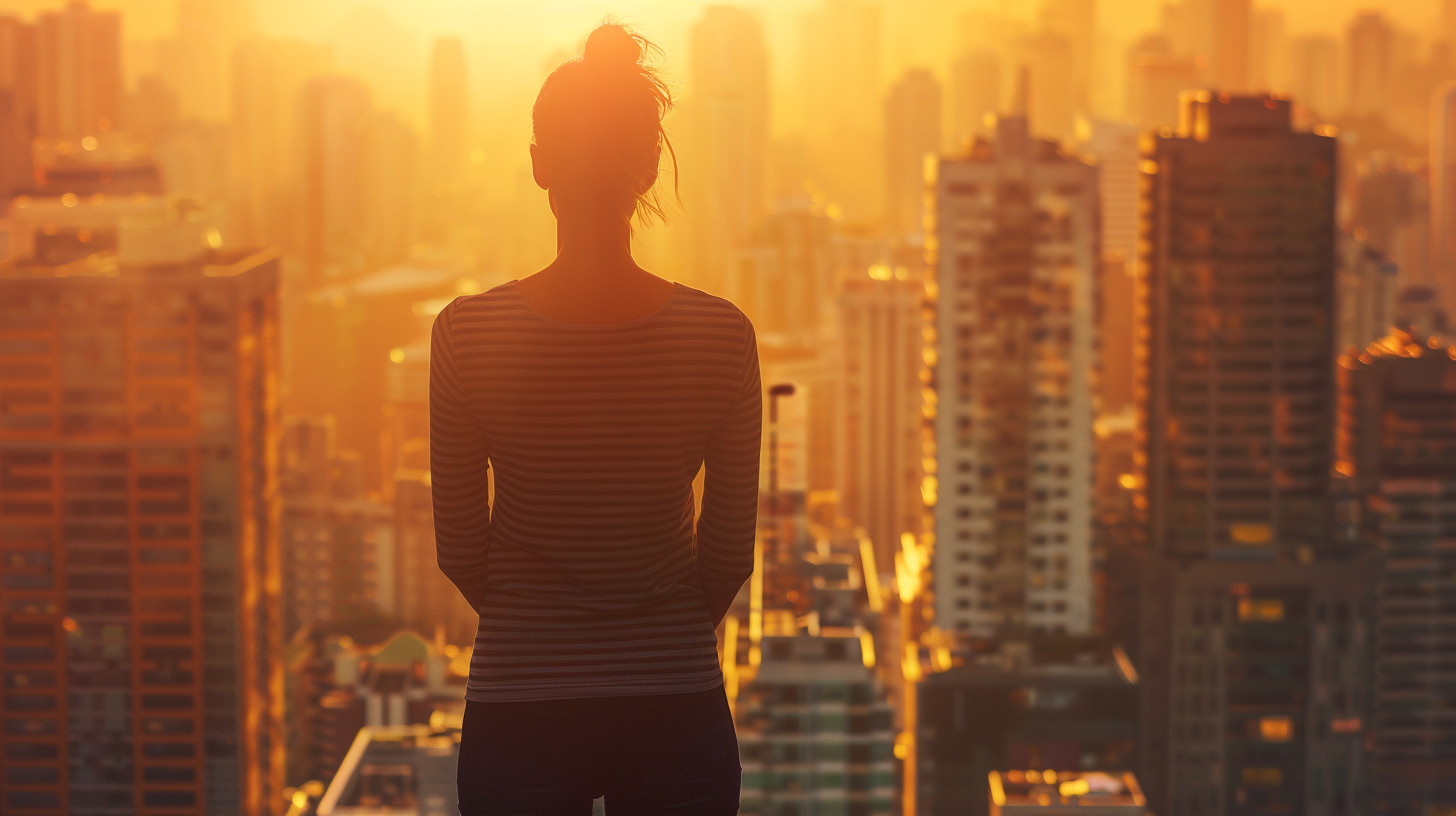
column 1398, row 449
column 139, row 570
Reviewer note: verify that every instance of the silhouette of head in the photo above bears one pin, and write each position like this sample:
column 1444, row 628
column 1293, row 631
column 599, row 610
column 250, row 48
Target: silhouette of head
column 598, row 127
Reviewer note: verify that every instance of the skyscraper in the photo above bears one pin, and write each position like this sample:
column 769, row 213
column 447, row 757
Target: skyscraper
column 449, row 112
column 728, row 118
column 334, row 114
column 1155, row 77
column 1397, row 423
column 1370, row 46
column 1017, row 244
column 17, row 103
column 1314, row 73
column 1238, row 380
column 912, row 132
column 878, row 411
column 1443, row 193
column 78, row 71
column 142, row 645
column 1229, row 62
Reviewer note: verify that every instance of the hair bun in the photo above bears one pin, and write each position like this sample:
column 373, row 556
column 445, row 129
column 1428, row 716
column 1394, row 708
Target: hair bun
column 611, row 45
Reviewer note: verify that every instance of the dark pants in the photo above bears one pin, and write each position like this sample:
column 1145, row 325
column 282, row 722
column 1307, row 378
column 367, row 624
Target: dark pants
column 664, row 754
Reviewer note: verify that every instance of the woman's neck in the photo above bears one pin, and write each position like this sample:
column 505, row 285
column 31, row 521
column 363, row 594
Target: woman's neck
column 592, row 242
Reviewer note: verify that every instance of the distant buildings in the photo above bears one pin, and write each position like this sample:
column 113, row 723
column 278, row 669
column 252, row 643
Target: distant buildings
column 78, row 72
column 1095, row 793
column 912, row 133
column 142, row 645
column 1017, row 238
column 879, row 421
column 1016, row 708
column 397, row 771
column 814, row 734
column 1366, row 285
column 1443, row 193
column 1398, row 451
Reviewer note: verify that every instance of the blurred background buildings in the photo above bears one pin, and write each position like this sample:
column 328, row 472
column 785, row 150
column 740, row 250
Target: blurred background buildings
column 1108, row 349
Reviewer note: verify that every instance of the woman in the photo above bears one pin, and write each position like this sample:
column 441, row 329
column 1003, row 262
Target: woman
column 595, row 391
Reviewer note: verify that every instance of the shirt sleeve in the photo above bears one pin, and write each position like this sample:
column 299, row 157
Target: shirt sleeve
column 459, row 465
column 729, row 517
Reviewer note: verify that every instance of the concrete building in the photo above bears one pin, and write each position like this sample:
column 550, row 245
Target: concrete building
column 1017, row 261
column 79, row 77
column 1255, row 686
column 140, row 572
column 1366, row 284
column 814, row 732
column 1021, row 707
column 1238, row 371
column 406, row 770
column 337, row 543
column 1397, row 426
column 879, row 416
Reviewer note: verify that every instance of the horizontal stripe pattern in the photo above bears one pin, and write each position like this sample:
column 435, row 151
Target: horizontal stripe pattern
column 588, row 573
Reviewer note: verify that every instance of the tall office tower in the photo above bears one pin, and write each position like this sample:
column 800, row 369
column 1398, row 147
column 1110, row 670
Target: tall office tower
column 1076, row 21
column 840, row 90
column 727, row 119
column 878, row 411
column 1238, row 379
column 1239, row 425
column 1046, row 85
column 78, row 72
column 334, row 116
column 139, row 536
column 1255, row 686
column 449, row 113
column 1229, row 62
column 1017, row 244
column 815, row 732
column 1443, row 193
column 975, row 95
column 912, row 132
column 1397, row 423
column 1314, row 73
column 1268, row 52
column 1114, row 145
column 1366, row 284
column 17, row 104
column 337, row 542
column 1155, row 77
column 1370, row 49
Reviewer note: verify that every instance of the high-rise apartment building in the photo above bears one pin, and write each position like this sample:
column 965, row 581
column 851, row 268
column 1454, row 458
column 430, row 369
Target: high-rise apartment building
column 912, row 132
column 1255, row 686
column 79, row 79
column 1443, row 193
column 18, row 64
column 815, row 733
column 1240, row 287
column 1370, row 49
column 1254, row 613
column 1016, row 242
column 142, row 648
column 879, row 410
column 728, row 120
column 1398, row 449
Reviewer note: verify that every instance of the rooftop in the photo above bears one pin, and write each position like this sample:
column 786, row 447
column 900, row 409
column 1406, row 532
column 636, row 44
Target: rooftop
column 397, row 771
column 1050, row 793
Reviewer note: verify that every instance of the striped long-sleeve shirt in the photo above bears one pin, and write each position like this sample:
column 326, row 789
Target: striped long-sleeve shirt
column 588, row 574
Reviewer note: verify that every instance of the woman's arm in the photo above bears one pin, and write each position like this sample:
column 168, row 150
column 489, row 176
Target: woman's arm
column 729, row 518
column 459, row 462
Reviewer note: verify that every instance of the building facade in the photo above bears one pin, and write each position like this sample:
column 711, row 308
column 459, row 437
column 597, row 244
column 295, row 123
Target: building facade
column 140, row 570
column 1398, row 448
column 1017, row 262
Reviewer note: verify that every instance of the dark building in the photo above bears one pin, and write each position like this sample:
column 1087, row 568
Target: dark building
column 1020, row 710
column 1398, row 449
column 1239, row 376
column 139, row 564
column 1258, row 700
column 1255, row 611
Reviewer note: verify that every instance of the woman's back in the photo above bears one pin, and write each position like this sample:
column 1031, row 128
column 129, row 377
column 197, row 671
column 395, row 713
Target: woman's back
column 589, row 583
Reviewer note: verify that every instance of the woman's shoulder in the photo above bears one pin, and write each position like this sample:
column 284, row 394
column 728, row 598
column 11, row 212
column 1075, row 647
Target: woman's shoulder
column 491, row 305
column 719, row 313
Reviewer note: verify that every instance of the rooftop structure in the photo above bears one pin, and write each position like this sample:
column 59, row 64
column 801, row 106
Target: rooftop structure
column 397, row 771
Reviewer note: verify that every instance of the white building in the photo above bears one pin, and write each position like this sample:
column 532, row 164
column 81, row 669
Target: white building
column 1017, row 246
